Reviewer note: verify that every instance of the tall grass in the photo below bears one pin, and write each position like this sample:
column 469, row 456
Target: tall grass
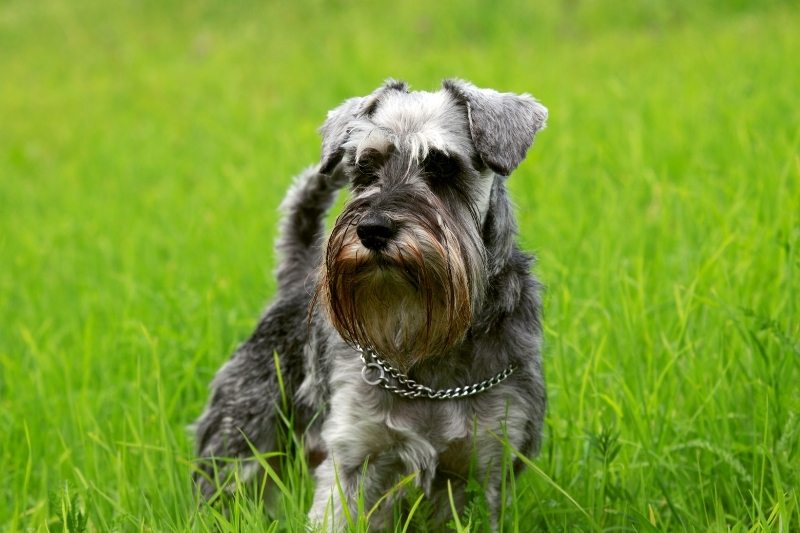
column 144, row 148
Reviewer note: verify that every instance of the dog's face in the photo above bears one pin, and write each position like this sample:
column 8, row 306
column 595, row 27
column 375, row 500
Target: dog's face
column 405, row 264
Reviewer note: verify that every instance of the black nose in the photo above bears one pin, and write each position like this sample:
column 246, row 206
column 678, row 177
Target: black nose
column 375, row 231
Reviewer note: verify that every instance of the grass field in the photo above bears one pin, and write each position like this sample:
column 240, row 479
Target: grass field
column 144, row 149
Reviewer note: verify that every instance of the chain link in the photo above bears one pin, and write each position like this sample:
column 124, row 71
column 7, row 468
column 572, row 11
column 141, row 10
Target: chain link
column 408, row 388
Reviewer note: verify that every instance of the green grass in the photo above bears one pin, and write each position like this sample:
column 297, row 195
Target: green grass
column 144, row 149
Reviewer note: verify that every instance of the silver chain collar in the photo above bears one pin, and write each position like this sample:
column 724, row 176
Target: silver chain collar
column 408, row 388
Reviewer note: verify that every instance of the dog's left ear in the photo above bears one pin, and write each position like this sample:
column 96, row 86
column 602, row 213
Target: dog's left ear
column 336, row 128
column 502, row 125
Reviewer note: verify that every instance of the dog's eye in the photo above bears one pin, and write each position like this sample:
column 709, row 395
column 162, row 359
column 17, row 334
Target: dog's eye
column 364, row 174
column 440, row 166
column 365, row 169
column 363, row 179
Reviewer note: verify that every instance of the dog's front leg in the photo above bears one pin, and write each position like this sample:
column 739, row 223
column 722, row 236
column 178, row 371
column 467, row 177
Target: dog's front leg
column 336, row 488
column 340, row 487
column 361, row 464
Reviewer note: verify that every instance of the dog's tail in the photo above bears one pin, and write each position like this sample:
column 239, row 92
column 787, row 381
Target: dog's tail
column 303, row 226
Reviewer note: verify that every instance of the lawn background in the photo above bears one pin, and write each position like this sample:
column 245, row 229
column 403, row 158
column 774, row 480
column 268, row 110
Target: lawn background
column 144, row 148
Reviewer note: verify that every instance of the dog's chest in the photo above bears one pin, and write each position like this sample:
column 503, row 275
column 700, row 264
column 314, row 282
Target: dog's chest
column 453, row 439
column 440, row 423
column 456, row 430
column 367, row 422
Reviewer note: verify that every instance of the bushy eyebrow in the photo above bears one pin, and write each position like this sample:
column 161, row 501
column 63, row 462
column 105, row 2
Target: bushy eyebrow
column 372, row 157
column 436, row 159
column 366, row 165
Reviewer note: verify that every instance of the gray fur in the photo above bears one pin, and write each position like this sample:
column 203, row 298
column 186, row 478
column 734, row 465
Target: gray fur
column 336, row 128
column 503, row 125
column 338, row 413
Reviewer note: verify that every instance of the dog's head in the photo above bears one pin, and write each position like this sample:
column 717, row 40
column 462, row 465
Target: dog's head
column 405, row 266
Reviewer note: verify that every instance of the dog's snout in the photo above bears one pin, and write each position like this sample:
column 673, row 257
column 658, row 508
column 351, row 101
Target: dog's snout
column 375, row 231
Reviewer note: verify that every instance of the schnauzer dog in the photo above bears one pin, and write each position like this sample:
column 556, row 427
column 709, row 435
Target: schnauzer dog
column 408, row 342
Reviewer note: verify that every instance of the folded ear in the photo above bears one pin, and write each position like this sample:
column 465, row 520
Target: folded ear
column 337, row 126
column 335, row 130
column 502, row 125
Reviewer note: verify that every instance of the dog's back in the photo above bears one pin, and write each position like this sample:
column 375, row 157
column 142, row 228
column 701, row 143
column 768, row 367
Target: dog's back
column 246, row 395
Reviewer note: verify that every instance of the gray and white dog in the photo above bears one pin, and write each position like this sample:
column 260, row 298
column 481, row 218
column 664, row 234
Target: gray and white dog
column 409, row 340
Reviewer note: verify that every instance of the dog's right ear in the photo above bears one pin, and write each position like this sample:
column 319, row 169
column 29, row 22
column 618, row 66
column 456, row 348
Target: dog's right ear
column 336, row 129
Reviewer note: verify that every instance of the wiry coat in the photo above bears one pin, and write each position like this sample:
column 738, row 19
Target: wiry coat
column 451, row 301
